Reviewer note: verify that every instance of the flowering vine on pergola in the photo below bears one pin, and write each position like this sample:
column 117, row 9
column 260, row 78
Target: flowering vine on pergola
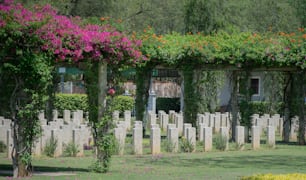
column 243, row 49
column 32, row 42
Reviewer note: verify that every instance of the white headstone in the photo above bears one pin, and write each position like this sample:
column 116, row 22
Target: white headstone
column 155, row 140
column 207, row 133
column 256, row 137
column 137, row 140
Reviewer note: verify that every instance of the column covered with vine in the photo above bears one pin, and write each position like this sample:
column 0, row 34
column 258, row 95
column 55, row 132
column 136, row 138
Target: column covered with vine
column 100, row 114
column 143, row 77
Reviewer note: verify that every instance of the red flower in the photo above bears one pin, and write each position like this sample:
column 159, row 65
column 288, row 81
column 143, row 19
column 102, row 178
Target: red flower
column 111, row 91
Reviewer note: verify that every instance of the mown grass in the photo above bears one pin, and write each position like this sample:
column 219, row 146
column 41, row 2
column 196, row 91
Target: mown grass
column 231, row 164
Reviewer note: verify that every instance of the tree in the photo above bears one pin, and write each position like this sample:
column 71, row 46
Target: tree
column 204, row 16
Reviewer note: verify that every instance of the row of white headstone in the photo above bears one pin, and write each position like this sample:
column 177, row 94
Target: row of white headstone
column 64, row 130
column 178, row 128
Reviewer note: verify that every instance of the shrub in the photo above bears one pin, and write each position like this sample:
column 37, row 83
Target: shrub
column 186, row 146
column 168, row 146
column 167, row 104
column 122, row 103
column 50, row 147
column 275, row 177
column 261, row 107
column 71, row 102
column 71, row 150
column 220, row 142
column 2, row 146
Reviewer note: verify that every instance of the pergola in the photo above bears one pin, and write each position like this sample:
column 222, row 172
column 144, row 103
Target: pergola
column 236, row 52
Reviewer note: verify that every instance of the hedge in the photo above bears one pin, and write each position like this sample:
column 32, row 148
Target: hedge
column 80, row 102
column 71, row 102
column 261, row 107
column 122, row 103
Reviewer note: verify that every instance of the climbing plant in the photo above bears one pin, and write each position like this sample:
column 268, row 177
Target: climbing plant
column 31, row 43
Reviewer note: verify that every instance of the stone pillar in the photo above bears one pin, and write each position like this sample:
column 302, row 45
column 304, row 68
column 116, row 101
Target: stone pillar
column 256, row 137
column 239, row 137
column 152, row 101
column 127, row 119
column 120, row 137
column 137, row 140
column 66, row 116
column 9, row 143
column 155, row 140
column 57, row 135
column 191, row 136
column 271, row 136
column 207, row 133
column 225, row 133
column 173, row 139
column 185, row 126
column 77, row 135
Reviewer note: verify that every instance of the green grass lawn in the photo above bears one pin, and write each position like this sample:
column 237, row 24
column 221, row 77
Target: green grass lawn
column 200, row 165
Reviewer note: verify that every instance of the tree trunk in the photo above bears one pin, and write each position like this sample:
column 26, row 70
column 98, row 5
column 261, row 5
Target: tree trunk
column 300, row 87
column 234, row 102
column 102, row 86
column 287, row 114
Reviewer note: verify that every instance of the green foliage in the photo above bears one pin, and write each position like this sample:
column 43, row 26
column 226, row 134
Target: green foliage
column 204, row 15
column 242, row 49
column 71, row 102
column 26, row 158
column 71, row 150
column 106, row 147
column 2, row 146
column 207, row 86
column 50, row 147
column 261, row 107
column 220, row 142
column 143, row 75
column 167, row 104
column 190, row 99
column 168, row 146
column 122, row 103
column 186, row 146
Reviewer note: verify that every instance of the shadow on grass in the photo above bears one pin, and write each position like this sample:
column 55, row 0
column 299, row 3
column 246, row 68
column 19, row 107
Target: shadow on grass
column 6, row 169
column 262, row 162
